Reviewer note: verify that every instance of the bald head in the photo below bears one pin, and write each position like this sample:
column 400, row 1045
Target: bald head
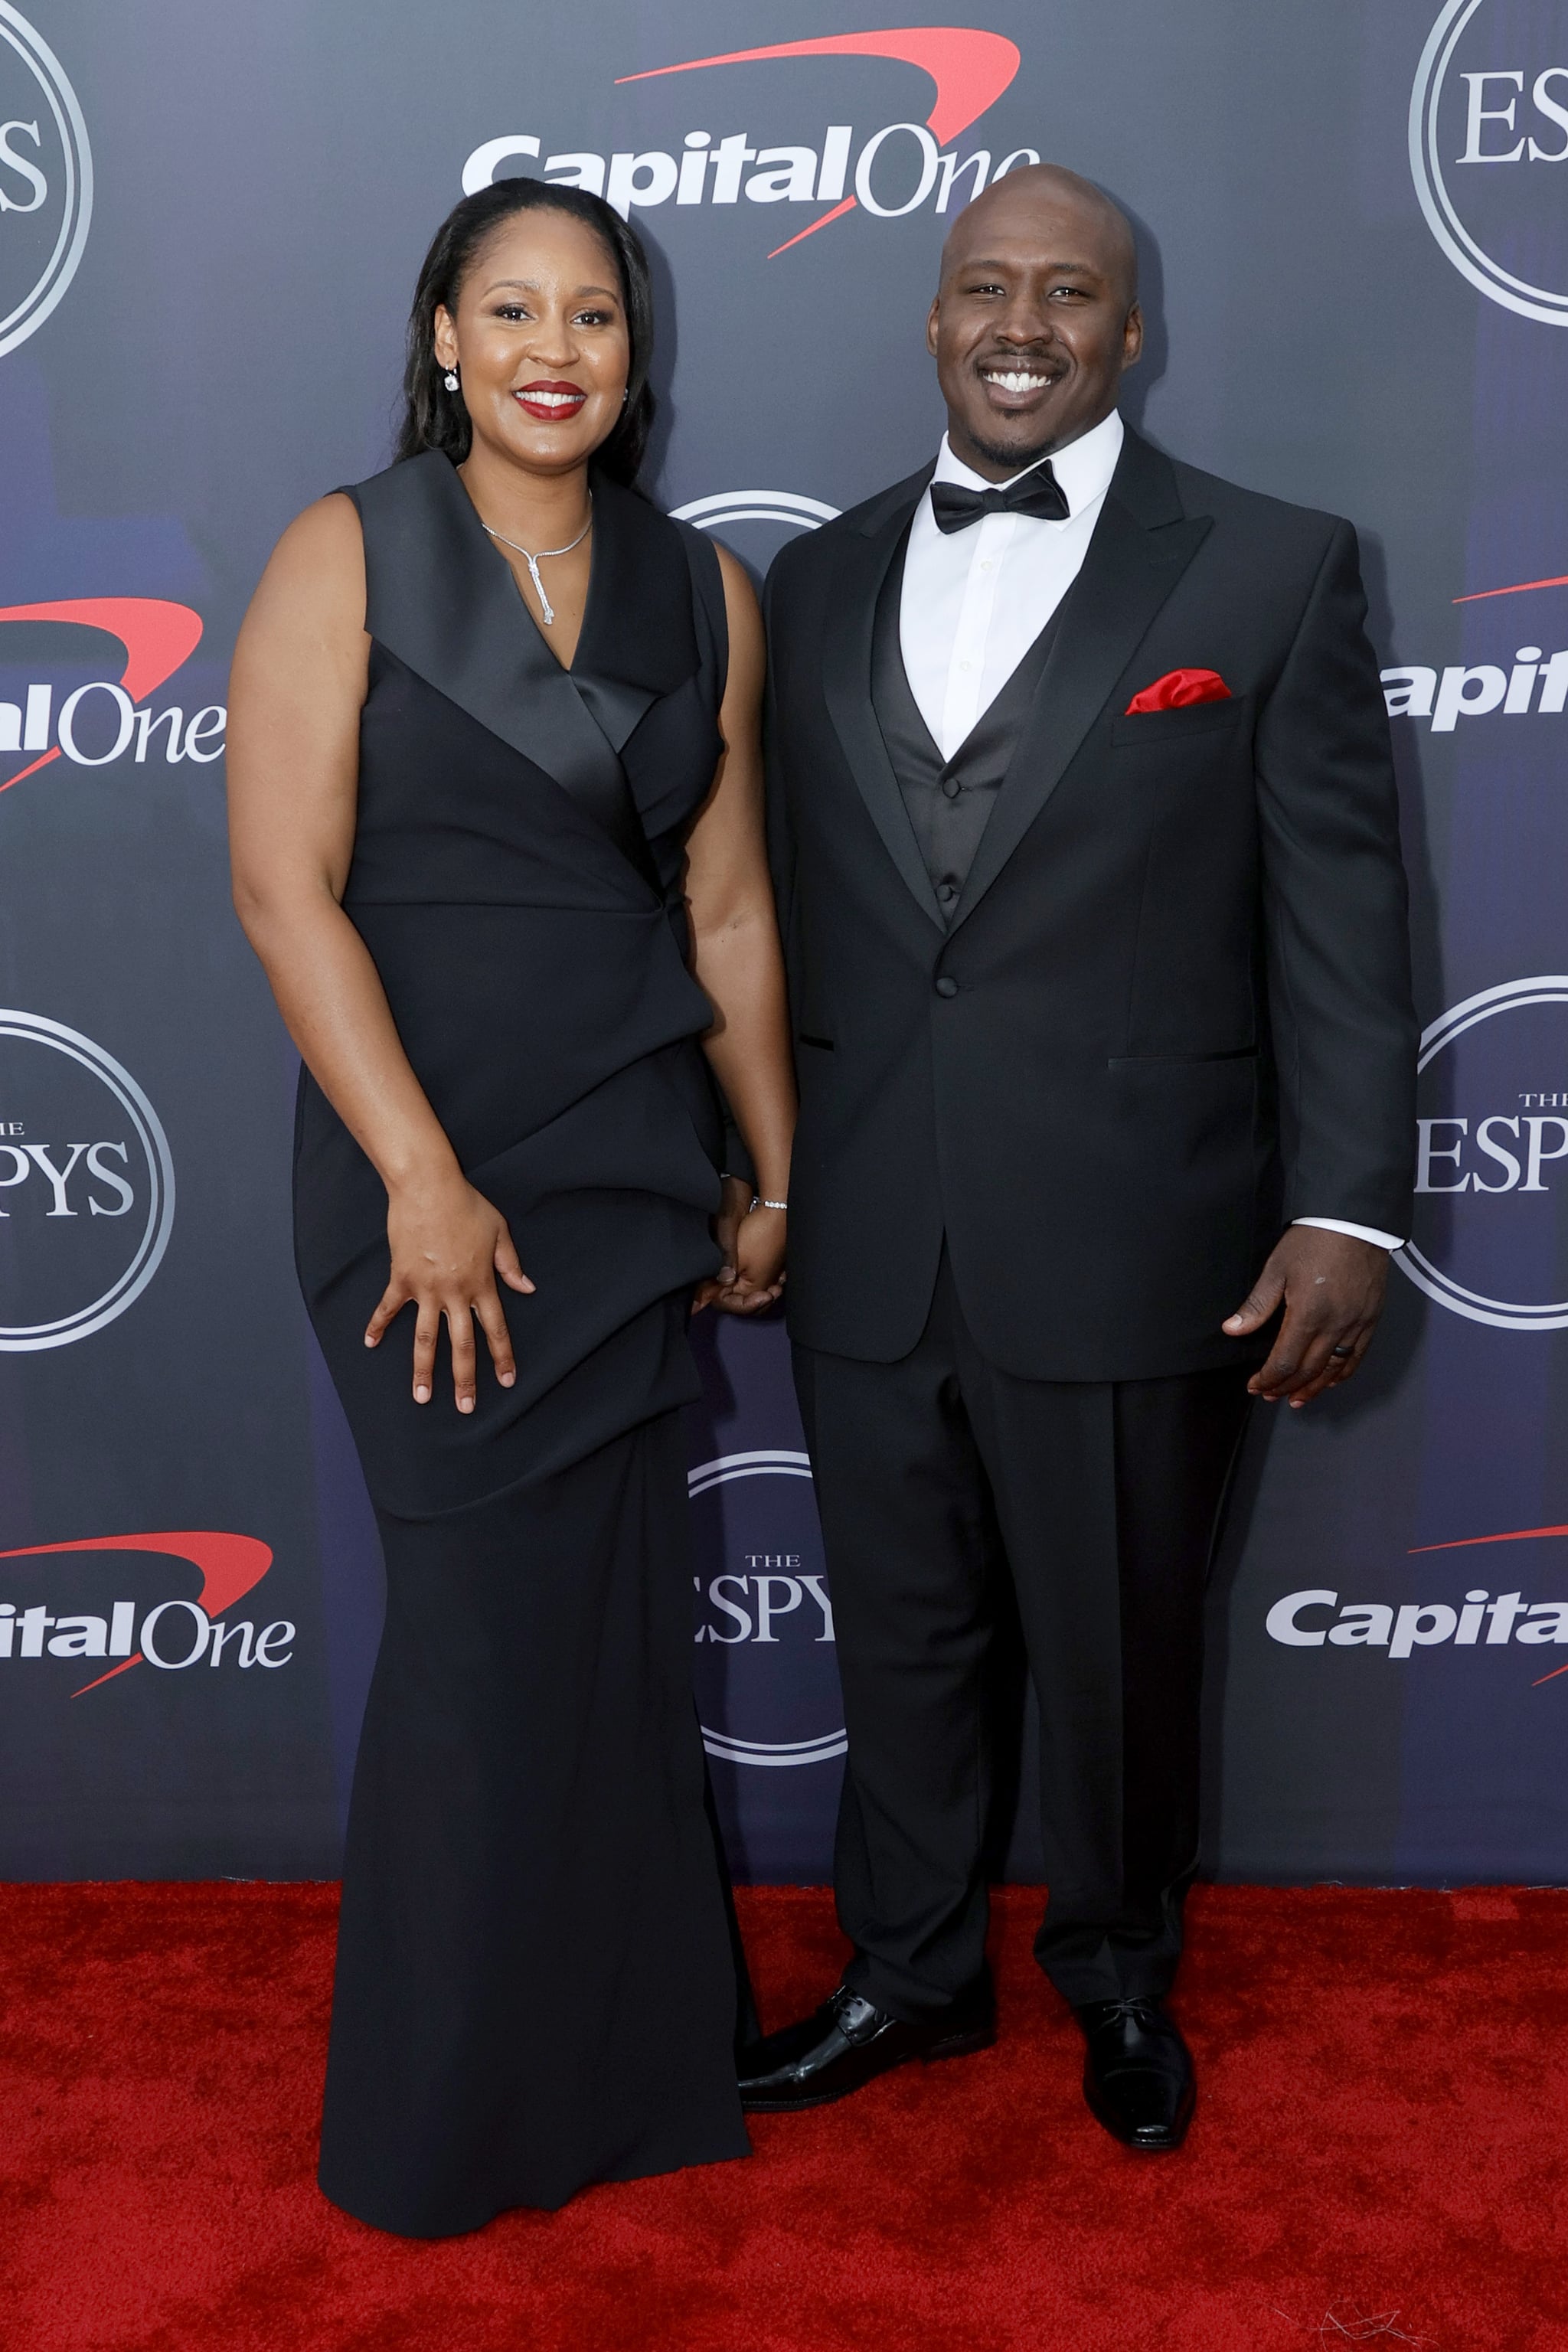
column 1050, row 203
column 1036, row 318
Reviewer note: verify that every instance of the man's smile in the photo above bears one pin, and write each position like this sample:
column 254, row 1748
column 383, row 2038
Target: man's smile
column 1017, row 383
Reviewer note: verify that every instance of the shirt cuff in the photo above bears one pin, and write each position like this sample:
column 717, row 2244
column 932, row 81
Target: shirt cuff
column 1356, row 1233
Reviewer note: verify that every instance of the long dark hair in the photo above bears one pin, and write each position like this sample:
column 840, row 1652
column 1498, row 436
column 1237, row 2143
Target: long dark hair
column 434, row 418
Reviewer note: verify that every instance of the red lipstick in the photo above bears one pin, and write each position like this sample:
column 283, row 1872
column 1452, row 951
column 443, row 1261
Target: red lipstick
column 551, row 401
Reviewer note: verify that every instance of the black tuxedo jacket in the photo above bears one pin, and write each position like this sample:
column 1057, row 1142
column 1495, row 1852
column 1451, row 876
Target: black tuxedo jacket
column 1173, row 1008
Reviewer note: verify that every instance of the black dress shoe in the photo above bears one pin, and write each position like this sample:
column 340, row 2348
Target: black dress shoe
column 847, row 2043
column 1137, row 2072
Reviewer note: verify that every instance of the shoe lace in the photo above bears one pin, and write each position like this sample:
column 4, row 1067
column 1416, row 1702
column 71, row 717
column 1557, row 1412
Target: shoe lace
column 844, row 2002
column 845, row 1996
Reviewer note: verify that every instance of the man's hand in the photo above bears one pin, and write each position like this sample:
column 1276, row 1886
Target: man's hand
column 1332, row 1286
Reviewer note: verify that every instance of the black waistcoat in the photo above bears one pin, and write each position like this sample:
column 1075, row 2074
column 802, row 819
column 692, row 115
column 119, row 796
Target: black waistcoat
column 949, row 802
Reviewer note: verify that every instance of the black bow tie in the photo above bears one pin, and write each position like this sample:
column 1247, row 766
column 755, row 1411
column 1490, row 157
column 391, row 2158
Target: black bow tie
column 1036, row 493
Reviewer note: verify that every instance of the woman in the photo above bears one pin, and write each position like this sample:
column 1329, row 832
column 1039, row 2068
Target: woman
column 491, row 715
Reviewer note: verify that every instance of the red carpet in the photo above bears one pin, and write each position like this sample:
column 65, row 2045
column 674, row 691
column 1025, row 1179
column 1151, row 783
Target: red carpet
column 1379, row 2155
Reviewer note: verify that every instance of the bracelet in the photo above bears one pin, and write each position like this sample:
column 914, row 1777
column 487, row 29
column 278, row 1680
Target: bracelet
column 758, row 1203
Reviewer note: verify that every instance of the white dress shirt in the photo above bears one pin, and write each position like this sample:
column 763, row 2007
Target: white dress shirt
column 974, row 601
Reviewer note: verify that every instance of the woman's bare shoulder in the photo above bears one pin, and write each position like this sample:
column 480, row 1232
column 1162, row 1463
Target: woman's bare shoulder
column 314, row 578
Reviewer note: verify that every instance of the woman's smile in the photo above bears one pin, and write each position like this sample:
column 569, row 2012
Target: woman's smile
column 549, row 399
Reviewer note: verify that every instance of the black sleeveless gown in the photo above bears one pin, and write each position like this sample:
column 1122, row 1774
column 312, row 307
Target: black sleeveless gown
column 536, row 1981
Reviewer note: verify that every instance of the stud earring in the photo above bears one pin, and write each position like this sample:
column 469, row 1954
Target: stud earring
column 450, row 379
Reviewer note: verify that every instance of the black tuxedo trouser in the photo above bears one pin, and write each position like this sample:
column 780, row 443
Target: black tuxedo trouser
column 936, row 1477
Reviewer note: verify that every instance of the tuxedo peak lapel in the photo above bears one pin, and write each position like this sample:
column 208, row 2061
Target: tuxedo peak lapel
column 866, row 553
column 1145, row 483
column 1142, row 545
column 900, row 500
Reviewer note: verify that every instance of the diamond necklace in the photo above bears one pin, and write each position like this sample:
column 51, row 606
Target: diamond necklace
column 543, row 556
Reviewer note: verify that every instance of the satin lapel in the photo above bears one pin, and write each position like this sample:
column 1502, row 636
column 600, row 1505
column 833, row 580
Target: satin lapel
column 638, row 642
column 1129, row 571
column 443, row 599
column 846, row 682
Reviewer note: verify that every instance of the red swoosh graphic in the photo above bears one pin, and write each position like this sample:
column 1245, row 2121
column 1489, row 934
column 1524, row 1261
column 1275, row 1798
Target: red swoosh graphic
column 970, row 70
column 847, row 205
column 229, row 1565
column 1522, row 588
column 157, row 637
column 1514, row 1535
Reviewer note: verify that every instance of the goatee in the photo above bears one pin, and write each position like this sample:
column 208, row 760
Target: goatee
column 1017, row 461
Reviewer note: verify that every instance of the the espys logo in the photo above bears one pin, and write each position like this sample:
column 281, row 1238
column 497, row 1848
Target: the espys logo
column 765, row 1652
column 1489, row 1236
column 790, row 507
column 1489, row 106
column 46, row 179
column 87, row 1186
column 767, row 518
column 94, row 720
column 895, row 170
column 172, row 1635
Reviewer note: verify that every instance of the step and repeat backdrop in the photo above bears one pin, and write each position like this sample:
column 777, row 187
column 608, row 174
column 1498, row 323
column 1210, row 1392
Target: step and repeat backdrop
column 1354, row 233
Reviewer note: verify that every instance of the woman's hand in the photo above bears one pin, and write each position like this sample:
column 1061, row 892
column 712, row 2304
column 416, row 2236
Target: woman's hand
column 735, row 1200
column 759, row 1274
column 753, row 1241
column 448, row 1246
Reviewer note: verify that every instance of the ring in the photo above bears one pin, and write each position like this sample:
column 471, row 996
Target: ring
column 1342, row 1351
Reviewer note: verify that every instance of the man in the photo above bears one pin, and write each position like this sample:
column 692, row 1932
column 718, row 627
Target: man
column 1088, row 860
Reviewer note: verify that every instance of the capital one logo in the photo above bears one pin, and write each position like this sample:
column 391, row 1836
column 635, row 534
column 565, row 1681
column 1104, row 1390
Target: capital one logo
column 767, row 1675
column 96, row 721
column 1488, row 120
column 87, row 1186
column 892, row 170
column 46, row 179
column 1491, row 1179
column 172, row 1635
column 1478, row 1620
column 1528, row 682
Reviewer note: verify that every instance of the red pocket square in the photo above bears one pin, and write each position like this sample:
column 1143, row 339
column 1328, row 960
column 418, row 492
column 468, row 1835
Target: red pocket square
column 1179, row 687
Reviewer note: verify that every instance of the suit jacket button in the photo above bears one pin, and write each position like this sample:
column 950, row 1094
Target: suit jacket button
column 946, row 987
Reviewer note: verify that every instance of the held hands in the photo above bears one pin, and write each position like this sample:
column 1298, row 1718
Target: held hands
column 752, row 1242
column 448, row 1246
column 1332, row 1286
